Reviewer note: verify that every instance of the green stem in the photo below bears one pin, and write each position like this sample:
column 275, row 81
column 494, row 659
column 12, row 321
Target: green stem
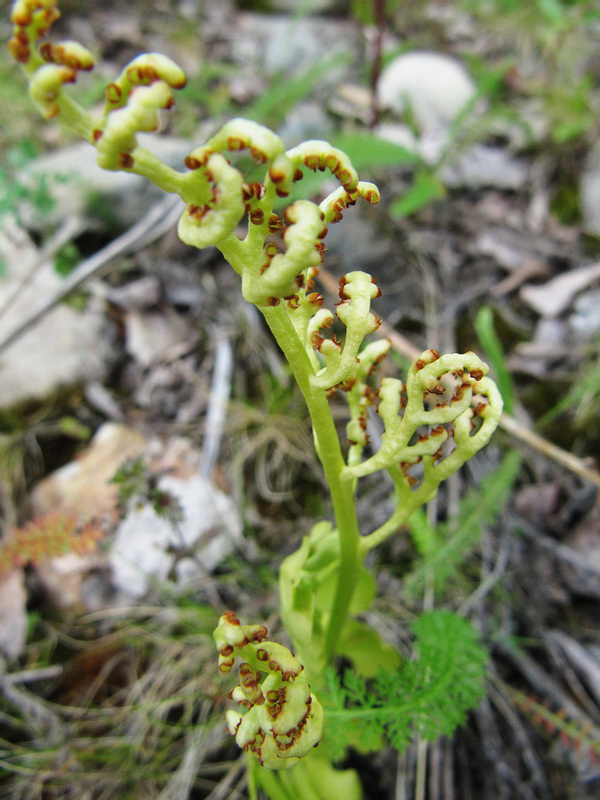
column 407, row 506
column 331, row 457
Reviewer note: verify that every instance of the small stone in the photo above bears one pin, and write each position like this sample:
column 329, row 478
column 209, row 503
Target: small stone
column 83, row 486
column 150, row 335
column 483, row 166
column 585, row 319
column 432, row 87
column 65, row 347
column 280, row 45
column 146, row 545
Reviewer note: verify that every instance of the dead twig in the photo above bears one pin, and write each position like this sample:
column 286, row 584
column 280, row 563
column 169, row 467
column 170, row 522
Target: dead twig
column 490, row 580
column 497, row 692
column 551, row 451
column 31, row 675
column 581, row 658
column 223, row 788
column 220, row 392
column 181, row 783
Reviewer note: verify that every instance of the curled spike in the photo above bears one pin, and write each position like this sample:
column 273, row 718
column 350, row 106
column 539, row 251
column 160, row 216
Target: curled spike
column 145, row 70
column 335, row 203
column 319, row 155
column 283, row 720
column 356, row 290
column 218, row 218
column 423, row 378
column 32, row 19
column 118, row 138
column 46, row 86
column 306, row 225
column 244, row 134
column 69, row 54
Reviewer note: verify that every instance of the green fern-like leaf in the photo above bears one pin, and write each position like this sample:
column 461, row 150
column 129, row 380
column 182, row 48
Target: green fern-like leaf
column 426, row 538
column 443, row 551
column 428, row 696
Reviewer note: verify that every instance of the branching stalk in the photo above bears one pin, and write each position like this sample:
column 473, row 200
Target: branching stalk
column 330, row 455
column 442, row 416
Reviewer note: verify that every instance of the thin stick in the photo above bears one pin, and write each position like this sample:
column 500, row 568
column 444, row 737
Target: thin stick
column 421, row 769
column 220, row 391
column 551, row 451
column 30, row 675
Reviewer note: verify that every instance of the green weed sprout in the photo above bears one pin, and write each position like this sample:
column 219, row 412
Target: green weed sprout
column 439, row 418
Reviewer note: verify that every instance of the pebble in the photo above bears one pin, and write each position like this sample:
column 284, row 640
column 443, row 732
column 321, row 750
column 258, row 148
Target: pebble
column 433, row 87
column 65, row 348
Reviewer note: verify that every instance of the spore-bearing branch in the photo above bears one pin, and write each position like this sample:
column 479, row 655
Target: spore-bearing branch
column 464, row 395
column 282, row 720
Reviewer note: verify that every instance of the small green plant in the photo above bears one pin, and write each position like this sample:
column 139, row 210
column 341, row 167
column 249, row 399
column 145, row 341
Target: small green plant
column 437, row 419
column 138, row 486
column 444, row 549
column 49, row 536
column 447, row 677
column 557, row 33
column 16, row 186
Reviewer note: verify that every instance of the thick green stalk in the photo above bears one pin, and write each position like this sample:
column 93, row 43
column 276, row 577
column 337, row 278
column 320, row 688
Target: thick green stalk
column 330, row 454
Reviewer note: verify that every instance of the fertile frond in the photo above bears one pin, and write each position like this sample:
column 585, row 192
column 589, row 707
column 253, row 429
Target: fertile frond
column 281, row 720
column 428, row 697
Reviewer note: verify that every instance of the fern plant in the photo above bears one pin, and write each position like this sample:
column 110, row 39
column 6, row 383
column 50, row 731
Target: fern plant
column 434, row 421
column 425, row 697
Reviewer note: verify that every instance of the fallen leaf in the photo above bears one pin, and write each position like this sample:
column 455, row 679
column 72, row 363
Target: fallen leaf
column 554, row 297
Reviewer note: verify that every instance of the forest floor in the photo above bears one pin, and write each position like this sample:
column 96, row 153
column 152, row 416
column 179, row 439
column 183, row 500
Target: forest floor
column 124, row 352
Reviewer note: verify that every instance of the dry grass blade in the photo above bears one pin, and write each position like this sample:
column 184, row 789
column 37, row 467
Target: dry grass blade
column 117, row 718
